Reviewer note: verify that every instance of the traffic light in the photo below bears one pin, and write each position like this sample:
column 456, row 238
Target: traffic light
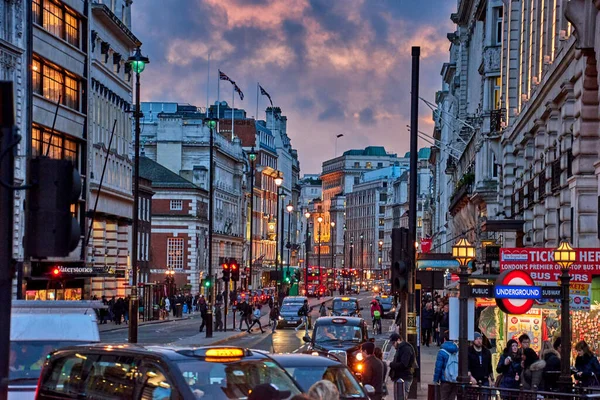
column 226, row 269
column 400, row 260
column 207, row 283
column 56, row 272
column 287, row 275
column 52, row 231
column 235, row 269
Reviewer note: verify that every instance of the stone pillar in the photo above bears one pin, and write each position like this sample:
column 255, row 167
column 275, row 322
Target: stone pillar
column 539, row 170
column 119, row 254
column 97, row 258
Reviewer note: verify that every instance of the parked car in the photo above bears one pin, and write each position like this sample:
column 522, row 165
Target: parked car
column 39, row 327
column 153, row 372
column 341, row 337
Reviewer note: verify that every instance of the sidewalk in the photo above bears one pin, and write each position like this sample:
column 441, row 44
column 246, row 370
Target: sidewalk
column 111, row 326
column 220, row 337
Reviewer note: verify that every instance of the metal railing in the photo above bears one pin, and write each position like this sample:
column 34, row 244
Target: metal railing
column 476, row 392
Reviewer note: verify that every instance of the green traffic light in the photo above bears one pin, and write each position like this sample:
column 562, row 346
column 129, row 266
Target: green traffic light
column 207, row 283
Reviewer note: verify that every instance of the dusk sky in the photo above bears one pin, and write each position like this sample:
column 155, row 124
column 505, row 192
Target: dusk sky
column 333, row 66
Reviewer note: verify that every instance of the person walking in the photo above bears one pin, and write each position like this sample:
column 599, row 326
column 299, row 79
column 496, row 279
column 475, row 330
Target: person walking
column 533, row 370
column 379, row 354
column 322, row 310
column 218, row 318
column 167, row 307
column 303, row 314
column 480, row 362
column 587, row 365
column 245, row 310
column 404, row 363
column 446, row 369
column 203, row 312
column 256, row 319
column 551, row 354
column 509, row 366
column 444, row 323
column 373, row 371
column 427, row 323
column 274, row 317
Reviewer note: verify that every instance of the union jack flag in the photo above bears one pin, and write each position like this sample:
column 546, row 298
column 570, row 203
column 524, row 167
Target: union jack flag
column 264, row 93
column 224, row 77
column 237, row 89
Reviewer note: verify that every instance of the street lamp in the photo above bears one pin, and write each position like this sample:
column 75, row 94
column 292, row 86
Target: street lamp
column 170, row 272
column 290, row 209
column 278, row 183
column 320, row 221
column 463, row 252
column 138, row 64
column 332, row 223
column 362, row 259
column 564, row 256
column 306, row 252
column 381, row 258
column 252, row 158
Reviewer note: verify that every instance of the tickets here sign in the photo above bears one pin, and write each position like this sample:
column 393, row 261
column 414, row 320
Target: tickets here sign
column 539, row 263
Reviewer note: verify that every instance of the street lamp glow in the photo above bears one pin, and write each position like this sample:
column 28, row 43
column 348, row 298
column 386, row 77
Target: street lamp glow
column 564, row 255
column 138, row 61
column 463, row 252
column 319, row 219
column 252, row 154
column 279, row 179
column 333, row 224
column 307, row 214
column 290, row 207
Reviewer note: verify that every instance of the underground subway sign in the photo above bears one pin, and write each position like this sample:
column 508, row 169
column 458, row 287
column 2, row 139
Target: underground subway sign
column 515, row 292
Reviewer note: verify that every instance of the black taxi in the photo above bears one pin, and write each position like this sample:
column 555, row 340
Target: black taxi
column 345, row 307
column 154, row 372
column 341, row 337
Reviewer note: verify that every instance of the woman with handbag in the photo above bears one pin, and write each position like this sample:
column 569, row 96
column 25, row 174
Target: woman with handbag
column 587, row 366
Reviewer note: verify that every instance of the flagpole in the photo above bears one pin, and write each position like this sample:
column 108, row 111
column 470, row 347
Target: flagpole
column 257, row 85
column 207, row 85
column 232, row 108
column 218, row 100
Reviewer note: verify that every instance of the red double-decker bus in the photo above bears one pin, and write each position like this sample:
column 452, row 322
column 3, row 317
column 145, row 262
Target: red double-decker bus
column 317, row 281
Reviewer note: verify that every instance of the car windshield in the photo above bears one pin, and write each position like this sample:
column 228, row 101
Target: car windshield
column 344, row 305
column 290, row 307
column 27, row 359
column 233, row 380
column 340, row 376
column 385, row 300
column 334, row 332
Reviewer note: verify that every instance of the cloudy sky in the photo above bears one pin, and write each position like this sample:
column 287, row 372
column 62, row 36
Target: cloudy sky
column 333, row 66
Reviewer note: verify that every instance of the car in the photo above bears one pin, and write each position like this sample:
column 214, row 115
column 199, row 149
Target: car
column 39, row 327
column 388, row 310
column 341, row 337
column 354, row 289
column 288, row 315
column 345, row 306
column 122, row 371
column 387, row 288
column 307, row 369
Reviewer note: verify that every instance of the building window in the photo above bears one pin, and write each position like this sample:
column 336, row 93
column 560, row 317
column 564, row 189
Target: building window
column 419, row 222
column 62, row 147
column 381, row 221
column 176, row 205
column 356, row 164
column 379, row 165
column 356, row 180
column 497, row 18
column 57, row 19
column 497, row 92
column 369, row 165
column 54, row 83
column 175, row 253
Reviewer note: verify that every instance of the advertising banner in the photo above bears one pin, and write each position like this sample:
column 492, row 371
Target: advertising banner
column 528, row 323
column 539, row 263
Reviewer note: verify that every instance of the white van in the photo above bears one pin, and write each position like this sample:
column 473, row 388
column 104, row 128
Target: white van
column 40, row 327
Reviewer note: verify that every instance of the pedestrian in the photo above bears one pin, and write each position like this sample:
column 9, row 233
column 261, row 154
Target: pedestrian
column 509, row 366
column 427, row 323
column 480, row 362
column 119, row 309
column 167, row 307
column 274, row 317
column 244, row 309
column 268, row 391
column 323, row 310
column 256, row 319
column 189, row 301
column 587, row 366
column 446, row 369
column 533, row 370
column 203, row 313
column 373, row 371
column 379, row 354
column 404, row 363
column 303, row 314
column 551, row 354
column 324, row 390
column 444, row 324
column 524, row 343
column 218, row 318
column 270, row 302
column 435, row 324
column 376, row 315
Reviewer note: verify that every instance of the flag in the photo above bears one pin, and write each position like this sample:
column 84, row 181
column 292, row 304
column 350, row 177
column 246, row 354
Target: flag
column 237, row 89
column 264, row 93
column 339, row 135
column 224, row 77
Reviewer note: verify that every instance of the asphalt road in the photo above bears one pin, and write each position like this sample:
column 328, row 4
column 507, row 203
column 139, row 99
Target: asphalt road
column 282, row 341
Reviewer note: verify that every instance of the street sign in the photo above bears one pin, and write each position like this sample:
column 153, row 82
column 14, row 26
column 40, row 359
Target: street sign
column 486, row 291
column 511, row 290
column 492, row 253
column 517, row 292
column 551, row 292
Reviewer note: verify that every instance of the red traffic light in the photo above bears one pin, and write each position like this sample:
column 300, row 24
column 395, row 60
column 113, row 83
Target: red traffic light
column 233, row 267
column 56, row 272
column 225, row 266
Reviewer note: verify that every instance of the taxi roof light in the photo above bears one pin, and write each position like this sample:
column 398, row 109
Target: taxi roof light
column 226, row 352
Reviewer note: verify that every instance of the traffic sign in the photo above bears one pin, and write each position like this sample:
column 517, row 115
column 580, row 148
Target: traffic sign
column 486, row 291
column 510, row 303
column 551, row 292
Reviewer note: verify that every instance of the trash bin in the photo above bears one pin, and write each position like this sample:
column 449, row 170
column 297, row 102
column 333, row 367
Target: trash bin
column 178, row 310
column 399, row 393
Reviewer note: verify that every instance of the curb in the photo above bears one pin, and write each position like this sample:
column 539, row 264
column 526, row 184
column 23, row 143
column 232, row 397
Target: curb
column 144, row 324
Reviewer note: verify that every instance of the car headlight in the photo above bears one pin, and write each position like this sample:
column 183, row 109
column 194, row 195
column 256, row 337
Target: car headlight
column 358, row 367
column 359, row 357
column 281, row 318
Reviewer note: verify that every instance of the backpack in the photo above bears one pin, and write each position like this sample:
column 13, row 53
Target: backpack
column 451, row 369
column 376, row 314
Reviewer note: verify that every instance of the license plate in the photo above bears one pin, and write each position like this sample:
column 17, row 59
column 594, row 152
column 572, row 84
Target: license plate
column 290, row 320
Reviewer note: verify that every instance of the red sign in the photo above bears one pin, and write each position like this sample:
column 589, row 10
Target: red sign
column 539, row 263
column 514, row 278
column 426, row 245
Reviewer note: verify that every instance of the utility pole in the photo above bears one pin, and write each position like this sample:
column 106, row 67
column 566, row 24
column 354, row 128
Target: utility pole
column 7, row 264
column 212, row 123
column 411, row 322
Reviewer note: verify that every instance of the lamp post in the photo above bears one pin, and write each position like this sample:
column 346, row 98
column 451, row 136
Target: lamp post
column 319, row 220
column 307, row 252
column 332, row 223
column 281, row 238
column 351, row 258
column 252, row 158
column 381, row 259
column 362, row 259
column 564, row 256
column 208, row 284
column 138, row 64
column 463, row 252
column 290, row 209
column 170, row 272
column 278, row 183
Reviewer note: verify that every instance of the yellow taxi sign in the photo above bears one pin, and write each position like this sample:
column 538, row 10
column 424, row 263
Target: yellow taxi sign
column 385, row 296
column 345, row 298
column 225, row 352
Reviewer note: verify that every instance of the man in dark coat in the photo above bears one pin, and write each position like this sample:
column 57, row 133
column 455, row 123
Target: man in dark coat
column 373, row 371
column 480, row 362
column 427, row 323
column 245, row 311
column 552, row 369
column 403, row 365
column 444, row 322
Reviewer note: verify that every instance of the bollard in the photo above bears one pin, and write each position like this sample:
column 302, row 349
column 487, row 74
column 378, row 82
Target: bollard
column 399, row 393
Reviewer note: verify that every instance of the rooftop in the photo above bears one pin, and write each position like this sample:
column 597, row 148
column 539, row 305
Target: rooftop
column 375, row 151
column 161, row 176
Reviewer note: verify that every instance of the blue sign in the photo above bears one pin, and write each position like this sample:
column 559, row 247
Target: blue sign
column 518, row 292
